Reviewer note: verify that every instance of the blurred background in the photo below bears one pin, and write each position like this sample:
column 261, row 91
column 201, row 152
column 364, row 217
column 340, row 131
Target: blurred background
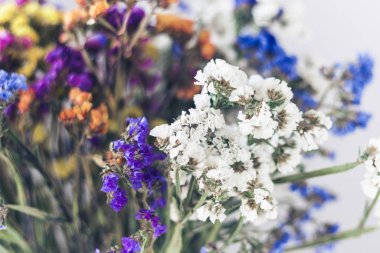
column 340, row 29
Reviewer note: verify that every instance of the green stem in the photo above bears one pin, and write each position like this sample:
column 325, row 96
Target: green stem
column 58, row 193
column 175, row 243
column 316, row 173
column 214, row 232
column 369, row 210
column 190, row 192
column 178, row 190
column 332, row 238
column 234, row 233
column 200, row 202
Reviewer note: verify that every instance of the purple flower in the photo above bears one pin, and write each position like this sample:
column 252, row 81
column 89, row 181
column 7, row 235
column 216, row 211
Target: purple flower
column 110, row 182
column 65, row 63
column 159, row 230
column 96, row 42
column 138, row 155
column 81, row 80
column 155, row 222
column 21, row 2
column 119, row 199
column 130, row 245
column 115, row 14
column 6, row 39
column 137, row 15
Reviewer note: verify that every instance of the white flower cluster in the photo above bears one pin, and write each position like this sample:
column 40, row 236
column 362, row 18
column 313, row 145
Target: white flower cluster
column 266, row 132
column 371, row 182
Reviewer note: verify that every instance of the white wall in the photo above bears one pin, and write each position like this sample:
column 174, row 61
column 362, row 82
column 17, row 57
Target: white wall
column 341, row 29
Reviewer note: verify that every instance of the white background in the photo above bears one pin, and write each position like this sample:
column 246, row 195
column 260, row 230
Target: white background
column 341, row 29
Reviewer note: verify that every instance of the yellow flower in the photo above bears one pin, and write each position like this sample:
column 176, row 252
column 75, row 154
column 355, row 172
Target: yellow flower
column 48, row 15
column 39, row 134
column 32, row 57
column 64, row 167
column 7, row 12
column 20, row 28
column 31, row 9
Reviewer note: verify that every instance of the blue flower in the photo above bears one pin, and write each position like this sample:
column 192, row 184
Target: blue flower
column 267, row 56
column 279, row 244
column 315, row 194
column 138, row 155
column 245, row 2
column 10, row 83
column 110, row 181
column 119, row 199
column 130, row 245
column 359, row 75
column 346, row 126
column 148, row 215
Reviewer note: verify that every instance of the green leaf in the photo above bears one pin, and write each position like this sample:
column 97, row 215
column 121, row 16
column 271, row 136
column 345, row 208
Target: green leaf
column 13, row 237
column 316, row 173
column 34, row 212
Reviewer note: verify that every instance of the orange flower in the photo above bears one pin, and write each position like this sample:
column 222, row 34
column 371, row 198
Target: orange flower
column 71, row 18
column 166, row 3
column 67, row 116
column 82, row 110
column 187, row 93
column 82, row 3
column 26, row 99
column 208, row 51
column 98, row 8
column 174, row 24
column 204, row 37
column 99, row 123
column 78, row 97
column 207, row 48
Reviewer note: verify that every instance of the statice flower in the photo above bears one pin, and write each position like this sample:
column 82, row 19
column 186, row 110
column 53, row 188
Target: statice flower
column 148, row 215
column 234, row 158
column 371, row 182
column 358, row 76
column 137, row 155
column 267, row 56
column 67, row 63
column 316, row 195
column 10, row 84
column 130, row 245
column 349, row 124
column 117, row 197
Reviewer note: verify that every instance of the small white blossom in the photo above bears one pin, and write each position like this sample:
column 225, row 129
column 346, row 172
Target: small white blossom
column 212, row 211
column 371, row 182
column 271, row 90
column 314, row 130
column 260, row 124
column 202, row 101
column 288, row 119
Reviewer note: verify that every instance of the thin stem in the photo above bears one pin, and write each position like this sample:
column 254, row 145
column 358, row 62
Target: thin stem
column 58, row 193
column 316, row 173
column 190, row 192
column 332, row 238
column 235, row 233
column 199, row 203
column 369, row 210
column 214, row 232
